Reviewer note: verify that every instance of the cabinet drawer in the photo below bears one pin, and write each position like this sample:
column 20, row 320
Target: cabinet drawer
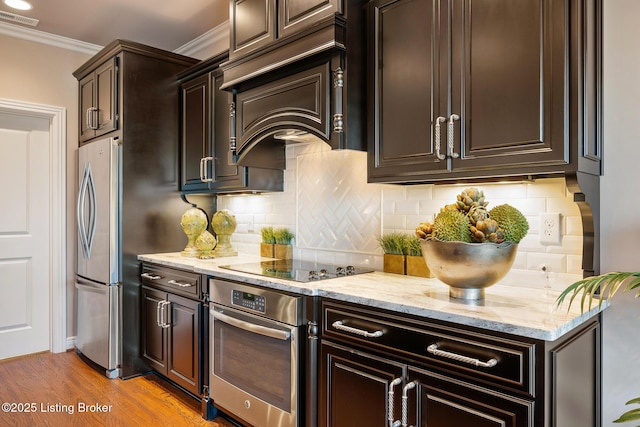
column 450, row 348
column 173, row 281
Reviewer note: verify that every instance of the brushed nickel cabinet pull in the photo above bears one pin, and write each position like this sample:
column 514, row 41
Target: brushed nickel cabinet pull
column 451, row 135
column 150, row 276
column 204, row 176
column 433, row 349
column 405, row 403
column 339, row 325
column 390, row 401
column 182, row 285
column 439, row 120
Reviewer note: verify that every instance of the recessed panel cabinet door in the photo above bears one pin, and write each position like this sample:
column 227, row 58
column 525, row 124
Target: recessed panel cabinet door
column 154, row 337
column 183, row 342
column 296, row 15
column 196, row 133
column 405, row 88
column 252, row 25
column 354, row 388
column 446, row 402
column 509, row 71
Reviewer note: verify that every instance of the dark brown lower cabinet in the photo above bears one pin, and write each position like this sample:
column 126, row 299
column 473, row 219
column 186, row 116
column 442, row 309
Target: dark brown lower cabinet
column 170, row 337
column 379, row 368
column 358, row 388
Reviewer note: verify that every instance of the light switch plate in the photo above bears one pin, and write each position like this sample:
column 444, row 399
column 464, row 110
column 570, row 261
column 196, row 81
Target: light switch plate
column 550, row 228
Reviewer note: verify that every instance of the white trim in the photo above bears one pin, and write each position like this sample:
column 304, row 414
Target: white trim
column 57, row 117
column 218, row 35
column 19, row 32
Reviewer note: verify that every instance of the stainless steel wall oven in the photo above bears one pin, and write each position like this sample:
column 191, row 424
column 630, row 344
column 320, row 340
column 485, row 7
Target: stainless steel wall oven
column 260, row 341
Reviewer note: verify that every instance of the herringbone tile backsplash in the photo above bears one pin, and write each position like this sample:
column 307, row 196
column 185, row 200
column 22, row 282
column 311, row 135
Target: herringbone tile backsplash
column 337, row 216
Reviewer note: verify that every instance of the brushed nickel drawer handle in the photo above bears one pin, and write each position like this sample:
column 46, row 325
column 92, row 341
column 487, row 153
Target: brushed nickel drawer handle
column 339, row 325
column 150, row 276
column 433, row 349
column 182, row 285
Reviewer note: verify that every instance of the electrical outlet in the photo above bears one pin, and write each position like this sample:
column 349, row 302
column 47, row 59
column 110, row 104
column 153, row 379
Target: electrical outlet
column 550, row 228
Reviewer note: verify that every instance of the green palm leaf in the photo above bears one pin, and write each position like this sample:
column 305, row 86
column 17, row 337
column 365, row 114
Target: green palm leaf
column 606, row 284
column 604, row 287
column 632, row 415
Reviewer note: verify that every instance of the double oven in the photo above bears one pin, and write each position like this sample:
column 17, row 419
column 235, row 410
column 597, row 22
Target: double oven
column 263, row 354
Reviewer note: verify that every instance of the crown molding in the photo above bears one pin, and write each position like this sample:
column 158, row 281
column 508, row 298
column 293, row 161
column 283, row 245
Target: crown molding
column 47, row 38
column 218, row 35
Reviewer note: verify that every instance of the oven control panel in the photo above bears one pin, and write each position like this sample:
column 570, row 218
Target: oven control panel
column 247, row 300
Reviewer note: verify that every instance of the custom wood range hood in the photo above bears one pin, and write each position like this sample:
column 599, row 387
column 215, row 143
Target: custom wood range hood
column 307, row 86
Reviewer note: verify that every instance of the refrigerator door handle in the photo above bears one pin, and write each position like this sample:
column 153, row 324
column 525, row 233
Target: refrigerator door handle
column 87, row 193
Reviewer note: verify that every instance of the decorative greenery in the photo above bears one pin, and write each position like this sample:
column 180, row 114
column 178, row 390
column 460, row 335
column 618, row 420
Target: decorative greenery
column 282, row 236
column 413, row 247
column 607, row 285
column 267, row 235
column 393, row 243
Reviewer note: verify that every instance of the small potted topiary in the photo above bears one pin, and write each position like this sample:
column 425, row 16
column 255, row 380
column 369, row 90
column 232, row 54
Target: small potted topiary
column 394, row 245
column 268, row 240
column 283, row 248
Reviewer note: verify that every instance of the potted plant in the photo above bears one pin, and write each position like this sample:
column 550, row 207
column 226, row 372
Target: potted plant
column 605, row 286
column 416, row 265
column 268, row 240
column 470, row 247
column 283, row 248
column 394, row 245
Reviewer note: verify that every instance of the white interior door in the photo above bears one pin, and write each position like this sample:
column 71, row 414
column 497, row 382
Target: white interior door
column 24, row 235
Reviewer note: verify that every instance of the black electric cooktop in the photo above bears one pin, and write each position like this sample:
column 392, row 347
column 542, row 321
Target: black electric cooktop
column 297, row 270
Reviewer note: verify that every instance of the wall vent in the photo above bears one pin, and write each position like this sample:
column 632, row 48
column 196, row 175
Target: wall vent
column 18, row 19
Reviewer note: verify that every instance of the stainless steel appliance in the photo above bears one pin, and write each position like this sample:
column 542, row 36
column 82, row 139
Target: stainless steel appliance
column 126, row 206
column 98, row 270
column 297, row 270
column 258, row 345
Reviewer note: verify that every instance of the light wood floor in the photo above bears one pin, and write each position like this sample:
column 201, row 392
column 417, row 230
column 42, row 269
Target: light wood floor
column 59, row 390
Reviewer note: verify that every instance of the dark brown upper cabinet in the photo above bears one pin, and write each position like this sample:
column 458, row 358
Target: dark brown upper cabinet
column 206, row 160
column 483, row 89
column 98, row 101
column 257, row 23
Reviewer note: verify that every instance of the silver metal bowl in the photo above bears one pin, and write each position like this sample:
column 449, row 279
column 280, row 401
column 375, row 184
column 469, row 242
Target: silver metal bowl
column 468, row 268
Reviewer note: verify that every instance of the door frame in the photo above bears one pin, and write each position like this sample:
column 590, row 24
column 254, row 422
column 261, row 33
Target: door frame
column 57, row 117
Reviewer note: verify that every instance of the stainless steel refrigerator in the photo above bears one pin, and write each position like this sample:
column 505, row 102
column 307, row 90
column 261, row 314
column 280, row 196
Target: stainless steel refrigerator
column 98, row 281
column 128, row 203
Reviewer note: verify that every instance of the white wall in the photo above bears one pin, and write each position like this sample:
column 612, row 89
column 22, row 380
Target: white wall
column 620, row 222
column 42, row 74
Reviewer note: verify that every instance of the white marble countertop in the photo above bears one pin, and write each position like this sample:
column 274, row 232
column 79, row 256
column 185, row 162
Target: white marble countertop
column 523, row 311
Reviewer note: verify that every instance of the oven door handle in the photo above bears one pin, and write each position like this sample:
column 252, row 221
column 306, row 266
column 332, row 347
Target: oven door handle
column 251, row 327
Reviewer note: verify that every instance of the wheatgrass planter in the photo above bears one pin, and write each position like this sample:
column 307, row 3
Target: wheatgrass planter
column 393, row 263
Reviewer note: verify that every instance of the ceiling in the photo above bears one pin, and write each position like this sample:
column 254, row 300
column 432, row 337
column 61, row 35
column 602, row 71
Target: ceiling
column 165, row 24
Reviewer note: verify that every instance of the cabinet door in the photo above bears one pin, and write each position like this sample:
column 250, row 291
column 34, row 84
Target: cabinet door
column 106, row 97
column 87, row 101
column 446, row 402
column 296, row 15
column 154, row 337
column 253, row 25
column 354, row 388
column 184, row 343
column 405, row 88
column 509, row 83
column 196, row 133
